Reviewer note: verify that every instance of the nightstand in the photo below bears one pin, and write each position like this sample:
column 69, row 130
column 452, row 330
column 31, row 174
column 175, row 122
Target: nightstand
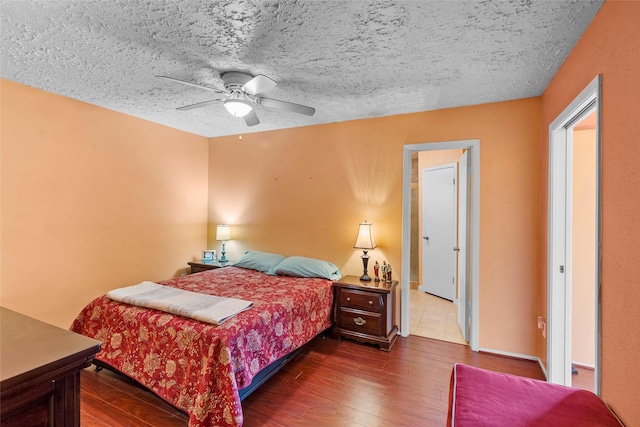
column 198, row 266
column 363, row 311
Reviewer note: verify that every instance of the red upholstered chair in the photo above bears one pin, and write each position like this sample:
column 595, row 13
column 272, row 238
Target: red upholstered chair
column 480, row 398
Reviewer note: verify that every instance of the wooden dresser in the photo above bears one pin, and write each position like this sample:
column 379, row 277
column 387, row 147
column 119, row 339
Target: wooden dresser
column 40, row 372
column 363, row 311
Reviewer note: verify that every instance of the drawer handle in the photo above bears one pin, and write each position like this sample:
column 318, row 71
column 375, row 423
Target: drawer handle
column 348, row 299
column 370, row 302
column 359, row 321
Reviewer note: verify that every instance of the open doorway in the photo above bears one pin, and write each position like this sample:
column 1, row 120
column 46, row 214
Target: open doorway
column 435, row 299
column 583, row 252
column 468, row 290
column 573, row 341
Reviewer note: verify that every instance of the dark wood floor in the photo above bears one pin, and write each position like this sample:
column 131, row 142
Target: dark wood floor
column 583, row 379
column 332, row 383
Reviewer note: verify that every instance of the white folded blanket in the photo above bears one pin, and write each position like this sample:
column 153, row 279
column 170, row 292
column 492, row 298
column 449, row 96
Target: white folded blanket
column 203, row 307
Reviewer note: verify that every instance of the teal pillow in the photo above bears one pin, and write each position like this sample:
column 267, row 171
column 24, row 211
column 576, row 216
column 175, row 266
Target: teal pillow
column 260, row 261
column 307, row 267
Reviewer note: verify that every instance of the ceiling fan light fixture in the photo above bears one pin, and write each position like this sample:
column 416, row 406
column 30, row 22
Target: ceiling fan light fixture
column 238, row 107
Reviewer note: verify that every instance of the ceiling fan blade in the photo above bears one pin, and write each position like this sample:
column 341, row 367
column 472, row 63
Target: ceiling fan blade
column 199, row 104
column 191, row 84
column 259, row 84
column 251, row 119
column 287, row 106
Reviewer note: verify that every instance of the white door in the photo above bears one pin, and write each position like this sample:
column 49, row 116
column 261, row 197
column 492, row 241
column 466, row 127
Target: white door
column 439, row 231
column 463, row 197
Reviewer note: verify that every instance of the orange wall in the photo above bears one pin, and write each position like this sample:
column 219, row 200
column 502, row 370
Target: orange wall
column 304, row 190
column 91, row 200
column 609, row 47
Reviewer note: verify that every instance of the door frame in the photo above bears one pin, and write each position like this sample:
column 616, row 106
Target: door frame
column 453, row 166
column 559, row 235
column 473, row 145
column 463, row 243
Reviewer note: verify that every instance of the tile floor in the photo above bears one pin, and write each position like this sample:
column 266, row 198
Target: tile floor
column 434, row 317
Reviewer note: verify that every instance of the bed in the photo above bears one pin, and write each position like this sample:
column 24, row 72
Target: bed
column 199, row 367
column 479, row 398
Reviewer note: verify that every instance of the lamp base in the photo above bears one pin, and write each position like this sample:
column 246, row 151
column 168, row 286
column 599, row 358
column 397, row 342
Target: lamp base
column 365, row 261
column 223, row 251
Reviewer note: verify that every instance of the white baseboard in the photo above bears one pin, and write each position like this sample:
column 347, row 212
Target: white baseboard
column 509, row 354
column 583, row 365
column 517, row 356
column 544, row 370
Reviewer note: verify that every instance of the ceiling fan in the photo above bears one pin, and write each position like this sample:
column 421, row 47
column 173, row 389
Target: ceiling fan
column 241, row 92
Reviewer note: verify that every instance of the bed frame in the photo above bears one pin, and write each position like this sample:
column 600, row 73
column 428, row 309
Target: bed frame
column 260, row 378
column 268, row 372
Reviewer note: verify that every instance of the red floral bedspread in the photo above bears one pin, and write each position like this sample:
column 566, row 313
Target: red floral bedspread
column 200, row 367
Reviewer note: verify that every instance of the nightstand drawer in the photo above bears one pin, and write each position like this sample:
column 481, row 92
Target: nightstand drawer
column 359, row 321
column 362, row 300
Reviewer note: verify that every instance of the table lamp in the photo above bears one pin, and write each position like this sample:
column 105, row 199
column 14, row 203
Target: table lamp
column 223, row 233
column 365, row 241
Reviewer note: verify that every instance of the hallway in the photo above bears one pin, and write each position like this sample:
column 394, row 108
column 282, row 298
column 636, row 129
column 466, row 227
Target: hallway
column 434, row 317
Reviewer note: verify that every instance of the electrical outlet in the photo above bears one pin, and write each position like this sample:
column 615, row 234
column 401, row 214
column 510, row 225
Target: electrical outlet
column 543, row 326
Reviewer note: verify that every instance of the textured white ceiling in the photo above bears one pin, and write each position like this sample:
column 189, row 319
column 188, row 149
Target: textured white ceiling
column 348, row 59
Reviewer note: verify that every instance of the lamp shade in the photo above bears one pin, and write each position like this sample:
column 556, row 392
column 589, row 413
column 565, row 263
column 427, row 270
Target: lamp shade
column 238, row 107
column 365, row 239
column 223, row 232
